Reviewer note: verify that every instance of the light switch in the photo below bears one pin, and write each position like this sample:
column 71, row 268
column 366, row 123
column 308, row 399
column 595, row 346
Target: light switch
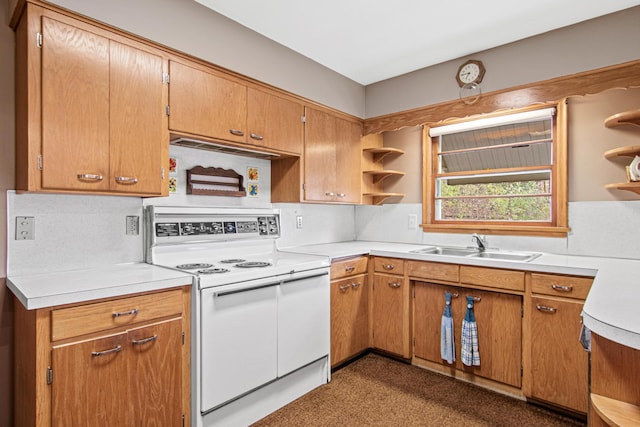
column 413, row 222
column 25, row 227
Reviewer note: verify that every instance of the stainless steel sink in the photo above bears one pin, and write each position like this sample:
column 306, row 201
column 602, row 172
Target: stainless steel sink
column 475, row 253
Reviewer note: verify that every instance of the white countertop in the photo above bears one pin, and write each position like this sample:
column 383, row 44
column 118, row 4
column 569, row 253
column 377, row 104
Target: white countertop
column 611, row 310
column 66, row 287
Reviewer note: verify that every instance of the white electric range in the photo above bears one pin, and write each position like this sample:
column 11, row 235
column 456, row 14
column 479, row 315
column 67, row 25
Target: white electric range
column 260, row 317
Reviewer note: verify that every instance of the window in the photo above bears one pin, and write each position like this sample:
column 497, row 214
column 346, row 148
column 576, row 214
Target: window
column 502, row 174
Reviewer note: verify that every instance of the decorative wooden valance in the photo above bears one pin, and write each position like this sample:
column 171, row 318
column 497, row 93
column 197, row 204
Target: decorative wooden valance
column 215, row 182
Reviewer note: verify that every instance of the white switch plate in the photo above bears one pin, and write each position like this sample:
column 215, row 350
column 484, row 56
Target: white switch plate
column 25, row 228
column 413, row 222
column 299, row 221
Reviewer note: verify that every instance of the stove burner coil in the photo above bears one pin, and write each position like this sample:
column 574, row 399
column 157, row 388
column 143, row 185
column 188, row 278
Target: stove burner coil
column 231, row 261
column 213, row 270
column 194, row 266
column 251, row 264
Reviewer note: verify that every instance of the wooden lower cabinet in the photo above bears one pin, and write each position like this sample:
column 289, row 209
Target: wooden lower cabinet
column 499, row 320
column 390, row 314
column 349, row 317
column 135, row 373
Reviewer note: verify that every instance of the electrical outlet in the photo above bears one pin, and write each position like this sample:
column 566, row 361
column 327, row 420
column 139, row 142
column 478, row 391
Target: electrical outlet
column 299, row 221
column 133, row 225
column 413, row 222
column 25, row 228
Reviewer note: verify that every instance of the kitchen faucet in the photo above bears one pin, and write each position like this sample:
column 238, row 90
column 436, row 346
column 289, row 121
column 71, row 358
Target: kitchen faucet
column 479, row 241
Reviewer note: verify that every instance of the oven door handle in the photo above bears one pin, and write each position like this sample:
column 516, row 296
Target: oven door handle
column 311, row 276
column 237, row 291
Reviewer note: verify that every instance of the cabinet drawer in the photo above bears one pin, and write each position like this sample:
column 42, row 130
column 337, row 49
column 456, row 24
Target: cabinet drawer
column 389, row 265
column 349, row 267
column 566, row 286
column 434, row 270
column 492, row 277
column 89, row 318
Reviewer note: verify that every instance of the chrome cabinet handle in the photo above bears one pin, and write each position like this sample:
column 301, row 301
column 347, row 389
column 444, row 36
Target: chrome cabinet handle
column 349, row 269
column 394, row 285
column 236, row 132
column 388, row 266
column 126, row 313
column 562, row 288
column 343, row 288
column 256, row 136
column 455, row 295
column 342, row 195
column 330, row 194
column 144, row 340
column 475, row 299
column 356, row 285
column 546, row 309
column 115, row 349
column 90, row 177
column 126, row 180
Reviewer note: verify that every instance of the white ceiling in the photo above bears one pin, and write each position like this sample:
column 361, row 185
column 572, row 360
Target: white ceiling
column 372, row 40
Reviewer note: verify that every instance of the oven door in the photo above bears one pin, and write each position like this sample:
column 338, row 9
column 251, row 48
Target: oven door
column 238, row 336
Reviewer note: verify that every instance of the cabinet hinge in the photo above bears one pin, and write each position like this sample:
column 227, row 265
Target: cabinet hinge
column 183, row 420
column 162, row 173
column 165, row 78
column 522, row 312
column 39, row 40
column 49, row 375
column 167, row 110
column 521, row 371
column 182, row 337
column 39, row 162
column 303, row 119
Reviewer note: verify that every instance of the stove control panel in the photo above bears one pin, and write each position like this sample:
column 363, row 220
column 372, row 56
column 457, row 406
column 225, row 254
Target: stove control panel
column 262, row 226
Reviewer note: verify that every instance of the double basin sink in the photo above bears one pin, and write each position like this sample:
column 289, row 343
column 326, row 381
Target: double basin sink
column 476, row 253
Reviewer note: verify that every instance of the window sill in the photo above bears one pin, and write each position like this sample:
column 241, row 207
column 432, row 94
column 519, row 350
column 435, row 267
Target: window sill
column 522, row 230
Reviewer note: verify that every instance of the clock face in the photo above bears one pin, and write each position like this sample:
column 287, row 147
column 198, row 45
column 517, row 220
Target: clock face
column 470, row 72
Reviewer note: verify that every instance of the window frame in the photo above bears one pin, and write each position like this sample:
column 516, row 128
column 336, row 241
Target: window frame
column 556, row 227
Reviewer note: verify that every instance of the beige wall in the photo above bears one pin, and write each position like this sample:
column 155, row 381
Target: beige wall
column 6, row 182
column 608, row 40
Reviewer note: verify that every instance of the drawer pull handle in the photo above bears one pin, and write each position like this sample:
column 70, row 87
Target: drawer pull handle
column 128, row 180
column 343, row 288
column 356, row 285
column 388, row 266
column 342, row 195
column 115, row 349
column 394, row 285
column 236, row 132
column 546, row 309
column 475, row 299
column 144, row 340
column 90, row 177
column 455, row 295
column 561, row 288
column 126, row 313
column 330, row 194
column 350, row 268
column 256, row 136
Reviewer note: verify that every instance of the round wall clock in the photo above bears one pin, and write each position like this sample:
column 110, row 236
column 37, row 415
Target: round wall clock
column 471, row 71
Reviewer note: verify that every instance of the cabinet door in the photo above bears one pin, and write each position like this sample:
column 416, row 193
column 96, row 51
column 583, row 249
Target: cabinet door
column 274, row 122
column 320, row 156
column 499, row 320
column 205, row 104
column 429, row 303
column 390, row 314
column 349, row 317
column 138, row 142
column 348, row 162
column 75, row 108
column 155, row 374
column 559, row 363
column 91, row 383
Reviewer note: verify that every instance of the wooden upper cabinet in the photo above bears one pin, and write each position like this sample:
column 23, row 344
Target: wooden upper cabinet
column 274, row 122
column 90, row 109
column 332, row 158
column 75, row 108
column 206, row 104
column 139, row 145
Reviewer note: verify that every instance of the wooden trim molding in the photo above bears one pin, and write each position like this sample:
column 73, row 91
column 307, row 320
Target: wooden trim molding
column 623, row 75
